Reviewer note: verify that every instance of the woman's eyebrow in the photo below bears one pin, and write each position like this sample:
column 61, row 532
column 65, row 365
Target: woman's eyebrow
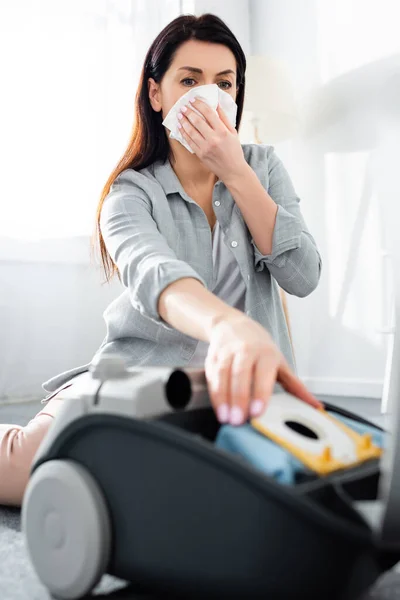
column 197, row 70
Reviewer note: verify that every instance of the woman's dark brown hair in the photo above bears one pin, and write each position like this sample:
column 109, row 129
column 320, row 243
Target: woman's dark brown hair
column 148, row 142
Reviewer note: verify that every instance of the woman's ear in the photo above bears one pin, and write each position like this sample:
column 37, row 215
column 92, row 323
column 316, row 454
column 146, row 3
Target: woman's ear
column 154, row 94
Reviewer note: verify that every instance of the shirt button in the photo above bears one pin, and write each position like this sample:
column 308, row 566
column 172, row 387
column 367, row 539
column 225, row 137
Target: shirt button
column 234, row 244
column 248, row 277
column 217, row 203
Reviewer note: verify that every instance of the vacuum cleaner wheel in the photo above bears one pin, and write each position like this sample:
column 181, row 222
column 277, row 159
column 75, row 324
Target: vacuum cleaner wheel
column 67, row 528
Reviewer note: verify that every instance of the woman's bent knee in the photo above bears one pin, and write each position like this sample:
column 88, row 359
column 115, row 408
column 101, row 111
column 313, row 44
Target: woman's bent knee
column 18, row 446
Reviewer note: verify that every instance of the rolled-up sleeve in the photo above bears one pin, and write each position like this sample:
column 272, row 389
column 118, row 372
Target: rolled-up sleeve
column 145, row 261
column 294, row 262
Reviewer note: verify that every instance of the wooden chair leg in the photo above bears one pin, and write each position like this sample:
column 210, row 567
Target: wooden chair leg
column 286, row 312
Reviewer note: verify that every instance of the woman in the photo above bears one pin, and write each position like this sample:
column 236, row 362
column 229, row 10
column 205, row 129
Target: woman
column 200, row 241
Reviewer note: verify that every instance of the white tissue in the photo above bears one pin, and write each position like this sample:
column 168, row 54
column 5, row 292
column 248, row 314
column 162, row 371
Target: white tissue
column 213, row 95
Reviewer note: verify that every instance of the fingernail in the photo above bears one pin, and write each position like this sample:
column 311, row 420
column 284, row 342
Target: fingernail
column 256, row 407
column 236, row 415
column 192, row 100
column 179, row 126
column 184, row 108
column 180, row 116
column 223, row 413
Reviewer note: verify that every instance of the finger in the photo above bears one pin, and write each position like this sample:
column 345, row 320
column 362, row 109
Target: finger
column 188, row 139
column 241, row 377
column 265, row 374
column 292, row 384
column 198, row 122
column 191, row 131
column 225, row 119
column 208, row 113
column 218, row 377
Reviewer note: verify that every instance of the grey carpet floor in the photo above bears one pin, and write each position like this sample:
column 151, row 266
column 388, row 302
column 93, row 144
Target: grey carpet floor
column 18, row 580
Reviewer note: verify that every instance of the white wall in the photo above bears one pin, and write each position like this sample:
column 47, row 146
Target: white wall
column 336, row 353
column 50, row 313
column 235, row 13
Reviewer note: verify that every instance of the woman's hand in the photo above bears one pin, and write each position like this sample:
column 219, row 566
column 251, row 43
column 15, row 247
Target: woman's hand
column 242, row 365
column 213, row 140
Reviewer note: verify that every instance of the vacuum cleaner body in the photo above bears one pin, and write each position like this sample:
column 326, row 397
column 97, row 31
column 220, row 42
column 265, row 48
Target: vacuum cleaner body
column 129, row 481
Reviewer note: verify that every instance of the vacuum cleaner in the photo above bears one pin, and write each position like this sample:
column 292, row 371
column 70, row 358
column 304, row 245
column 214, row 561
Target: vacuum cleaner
column 136, row 478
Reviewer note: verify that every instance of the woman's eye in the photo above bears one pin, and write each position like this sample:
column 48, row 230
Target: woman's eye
column 225, row 85
column 184, row 81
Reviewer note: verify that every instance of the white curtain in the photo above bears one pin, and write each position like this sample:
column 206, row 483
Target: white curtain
column 69, row 72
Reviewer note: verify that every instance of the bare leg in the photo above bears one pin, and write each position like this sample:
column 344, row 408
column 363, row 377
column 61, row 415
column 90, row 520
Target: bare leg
column 18, row 446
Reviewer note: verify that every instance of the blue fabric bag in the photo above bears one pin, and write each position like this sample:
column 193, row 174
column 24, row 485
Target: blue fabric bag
column 264, row 454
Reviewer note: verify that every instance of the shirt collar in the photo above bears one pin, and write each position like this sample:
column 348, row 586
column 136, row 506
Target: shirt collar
column 169, row 181
column 167, row 178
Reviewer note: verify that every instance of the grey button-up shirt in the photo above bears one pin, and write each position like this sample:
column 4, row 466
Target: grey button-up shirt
column 156, row 234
